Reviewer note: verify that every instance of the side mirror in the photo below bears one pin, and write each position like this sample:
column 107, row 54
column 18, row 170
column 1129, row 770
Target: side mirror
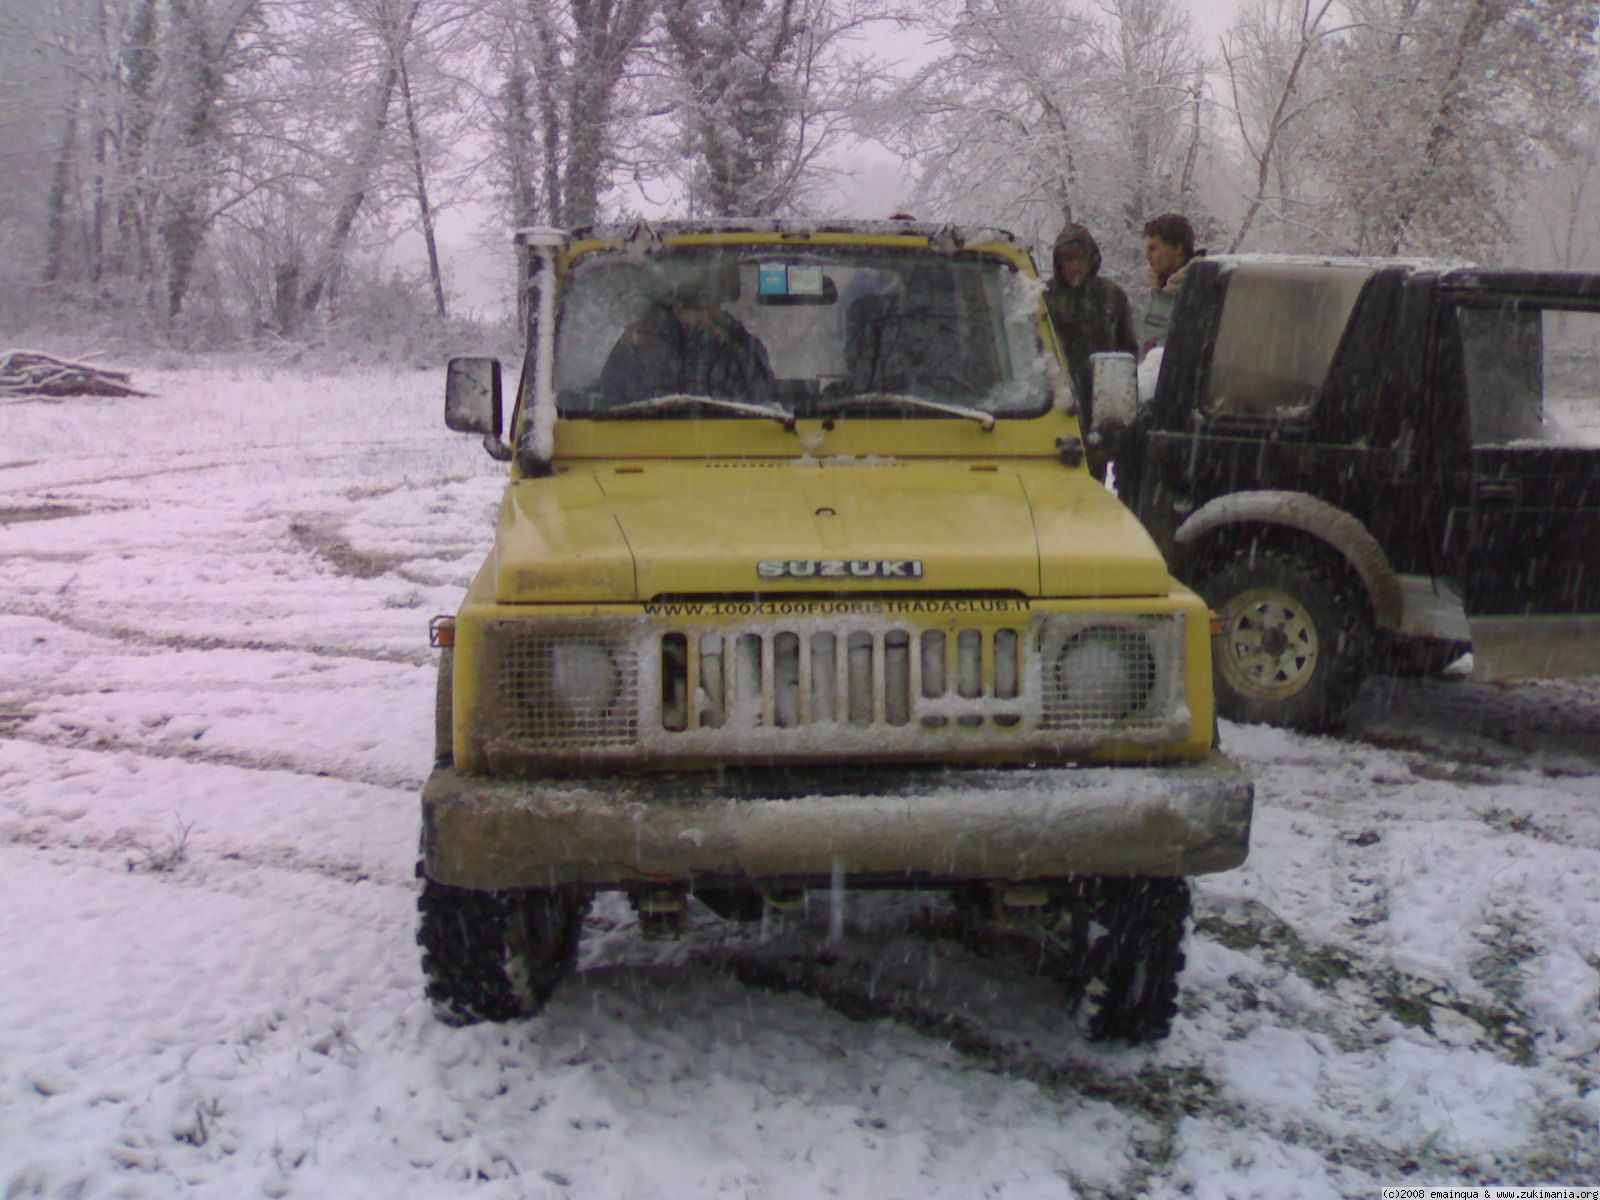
column 1115, row 389
column 472, row 401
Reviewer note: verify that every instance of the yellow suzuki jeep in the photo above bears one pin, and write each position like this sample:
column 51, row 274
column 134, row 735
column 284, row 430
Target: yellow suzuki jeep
column 800, row 581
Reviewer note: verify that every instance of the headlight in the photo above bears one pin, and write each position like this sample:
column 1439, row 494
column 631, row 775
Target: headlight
column 569, row 685
column 1106, row 673
column 583, row 678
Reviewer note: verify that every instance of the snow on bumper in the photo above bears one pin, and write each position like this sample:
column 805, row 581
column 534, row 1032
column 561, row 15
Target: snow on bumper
column 908, row 826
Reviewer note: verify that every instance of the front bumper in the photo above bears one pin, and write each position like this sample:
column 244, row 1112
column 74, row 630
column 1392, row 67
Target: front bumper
column 910, row 826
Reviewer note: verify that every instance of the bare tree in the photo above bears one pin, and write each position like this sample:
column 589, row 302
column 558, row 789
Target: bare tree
column 1268, row 55
column 1149, row 70
column 1038, row 113
column 1561, row 219
column 206, row 39
column 391, row 23
column 425, row 211
column 1001, row 123
column 760, row 91
column 1440, row 106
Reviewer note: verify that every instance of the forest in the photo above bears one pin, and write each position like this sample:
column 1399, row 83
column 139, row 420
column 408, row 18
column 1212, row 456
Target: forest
column 206, row 173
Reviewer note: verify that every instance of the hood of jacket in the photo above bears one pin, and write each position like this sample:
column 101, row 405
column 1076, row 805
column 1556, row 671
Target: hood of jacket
column 1075, row 235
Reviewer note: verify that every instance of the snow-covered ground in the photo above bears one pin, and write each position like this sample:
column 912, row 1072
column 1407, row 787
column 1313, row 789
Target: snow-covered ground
column 215, row 714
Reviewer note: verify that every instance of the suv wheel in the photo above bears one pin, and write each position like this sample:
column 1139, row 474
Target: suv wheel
column 1133, row 952
column 495, row 956
column 1115, row 945
column 1294, row 640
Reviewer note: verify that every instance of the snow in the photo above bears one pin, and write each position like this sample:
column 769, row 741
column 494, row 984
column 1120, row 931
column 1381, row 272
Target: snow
column 216, row 712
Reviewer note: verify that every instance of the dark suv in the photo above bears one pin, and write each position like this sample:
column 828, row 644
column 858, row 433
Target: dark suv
column 1377, row 465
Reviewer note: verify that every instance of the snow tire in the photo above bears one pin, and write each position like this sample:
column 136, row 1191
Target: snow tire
column 495, row 956
column 1296, row 639
column 1133, row 954
column 1114, row 945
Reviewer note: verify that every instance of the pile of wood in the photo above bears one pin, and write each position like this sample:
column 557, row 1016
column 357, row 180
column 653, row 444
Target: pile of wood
column 25, row 374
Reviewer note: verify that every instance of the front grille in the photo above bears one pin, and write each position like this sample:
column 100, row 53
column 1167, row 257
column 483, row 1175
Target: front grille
column 790, row 678
column 587, row 689
column 573, row 690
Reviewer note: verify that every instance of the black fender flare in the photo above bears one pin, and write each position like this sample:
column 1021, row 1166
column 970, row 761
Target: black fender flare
column 1307, row 514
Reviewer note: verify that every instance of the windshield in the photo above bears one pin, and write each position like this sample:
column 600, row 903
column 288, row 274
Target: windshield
column 809, row 331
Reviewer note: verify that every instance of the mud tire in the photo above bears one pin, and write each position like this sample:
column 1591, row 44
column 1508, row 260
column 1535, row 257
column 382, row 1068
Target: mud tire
column 1128, row 983
column 1322, row 611
column 1114, row 945
column 495, row 956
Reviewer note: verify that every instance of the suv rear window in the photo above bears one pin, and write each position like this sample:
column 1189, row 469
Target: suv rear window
column 1280, row 328
column 1532, row 374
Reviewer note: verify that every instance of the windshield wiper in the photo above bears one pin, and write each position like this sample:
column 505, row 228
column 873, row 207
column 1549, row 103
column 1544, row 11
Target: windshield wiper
column 900, row 400
column 689, row 400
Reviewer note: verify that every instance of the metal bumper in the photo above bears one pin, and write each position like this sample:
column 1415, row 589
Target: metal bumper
column 907, row 827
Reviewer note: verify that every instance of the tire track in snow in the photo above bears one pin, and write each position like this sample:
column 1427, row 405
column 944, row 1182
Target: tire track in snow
column 1164, row 1096
column 237, row 456
column 133, row 636
column 234, row 873
column 1460, row 721
column 323, row 542
column 96, row 741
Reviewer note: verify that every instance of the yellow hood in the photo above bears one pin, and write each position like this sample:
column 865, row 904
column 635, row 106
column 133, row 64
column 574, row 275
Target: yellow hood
column 636, row 533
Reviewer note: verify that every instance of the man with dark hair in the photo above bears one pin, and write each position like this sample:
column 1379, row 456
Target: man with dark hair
column 1168, row 250
column 1090, row 314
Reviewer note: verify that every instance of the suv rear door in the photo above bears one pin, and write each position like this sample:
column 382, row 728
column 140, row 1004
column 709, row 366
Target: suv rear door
column 1274, row 380
column 1516, row 357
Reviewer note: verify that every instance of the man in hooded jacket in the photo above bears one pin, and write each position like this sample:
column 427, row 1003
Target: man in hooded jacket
column 1090, row 314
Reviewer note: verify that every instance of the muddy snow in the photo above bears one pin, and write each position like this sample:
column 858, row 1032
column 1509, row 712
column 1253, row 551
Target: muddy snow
column 215, row 714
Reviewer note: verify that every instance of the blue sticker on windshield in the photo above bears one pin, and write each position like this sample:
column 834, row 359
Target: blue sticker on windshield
column 773, row 279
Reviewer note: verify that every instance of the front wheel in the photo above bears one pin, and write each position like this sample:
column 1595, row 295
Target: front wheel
column 495, row 956
column 1294, row 642
column 1114, row 944
column 1133, row 955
